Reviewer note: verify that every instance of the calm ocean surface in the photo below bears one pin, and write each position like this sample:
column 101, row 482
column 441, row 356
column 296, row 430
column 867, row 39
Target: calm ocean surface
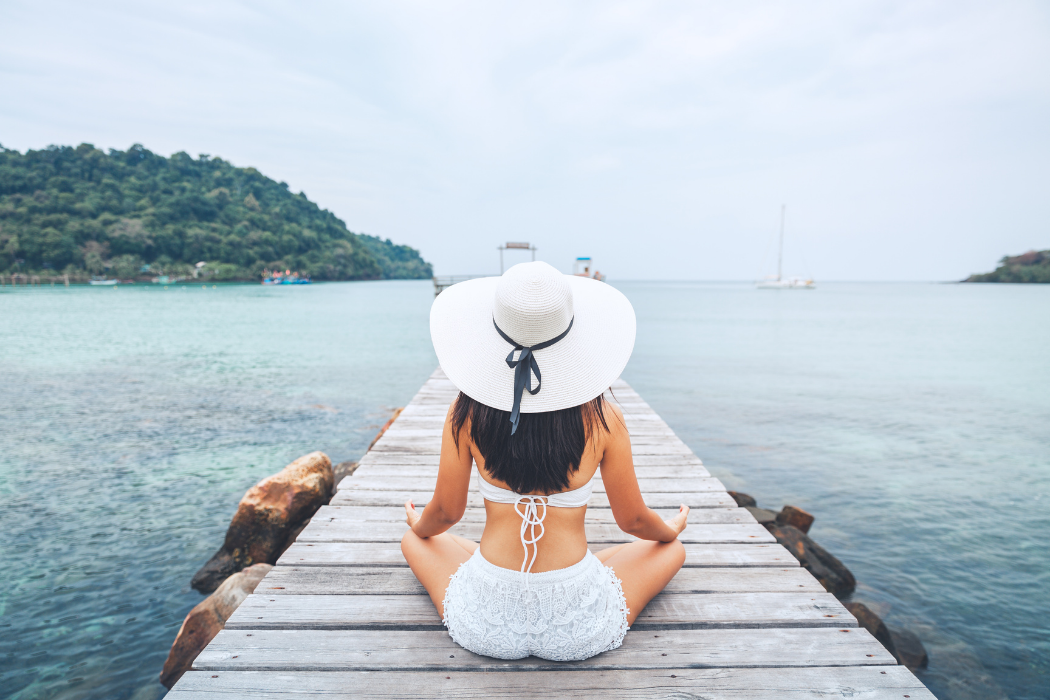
column 913, row 420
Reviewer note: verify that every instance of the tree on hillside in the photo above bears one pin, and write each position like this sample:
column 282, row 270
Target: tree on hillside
column 134, row 212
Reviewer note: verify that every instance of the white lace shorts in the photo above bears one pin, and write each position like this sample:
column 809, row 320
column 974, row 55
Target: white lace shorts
column 568, row 614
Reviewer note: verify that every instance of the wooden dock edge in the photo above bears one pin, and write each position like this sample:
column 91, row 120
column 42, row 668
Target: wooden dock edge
column 341, row 615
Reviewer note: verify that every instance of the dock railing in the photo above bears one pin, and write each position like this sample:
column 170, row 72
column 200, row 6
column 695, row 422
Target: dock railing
column 443, row 283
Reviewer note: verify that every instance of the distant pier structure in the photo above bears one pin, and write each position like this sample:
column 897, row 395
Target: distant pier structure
column 515, row 246
column 443, row 283
column 446, row 281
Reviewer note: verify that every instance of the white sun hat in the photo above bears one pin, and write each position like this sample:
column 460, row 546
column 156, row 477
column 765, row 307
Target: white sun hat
column 490, row 331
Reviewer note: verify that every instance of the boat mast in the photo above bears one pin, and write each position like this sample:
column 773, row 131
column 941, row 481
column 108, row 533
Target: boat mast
column 780, row 255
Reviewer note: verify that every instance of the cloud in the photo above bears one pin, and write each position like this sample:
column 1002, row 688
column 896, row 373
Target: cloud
column 907, row 138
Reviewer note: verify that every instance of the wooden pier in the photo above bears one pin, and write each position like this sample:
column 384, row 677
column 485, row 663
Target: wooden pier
column 342, row 616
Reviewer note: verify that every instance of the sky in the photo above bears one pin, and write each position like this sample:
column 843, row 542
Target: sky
column 908, row 140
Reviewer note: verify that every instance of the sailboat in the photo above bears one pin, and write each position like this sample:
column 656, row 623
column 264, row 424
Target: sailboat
column 784, row 282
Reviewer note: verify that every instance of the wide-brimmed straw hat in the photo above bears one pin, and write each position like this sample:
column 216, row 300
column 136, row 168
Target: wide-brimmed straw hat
column 533, row 339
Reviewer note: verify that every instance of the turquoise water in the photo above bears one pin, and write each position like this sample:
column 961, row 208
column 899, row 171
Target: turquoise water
column 913, row 420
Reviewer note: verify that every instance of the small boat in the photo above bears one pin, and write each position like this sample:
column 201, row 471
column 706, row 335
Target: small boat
column 780, row 282
column 103, row 282
column 582, row 267
column 287, row 277
column 786, row 283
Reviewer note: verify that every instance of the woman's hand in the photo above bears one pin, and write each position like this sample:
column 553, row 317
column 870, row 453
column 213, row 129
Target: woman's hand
column 678, row 522
column 411, row 516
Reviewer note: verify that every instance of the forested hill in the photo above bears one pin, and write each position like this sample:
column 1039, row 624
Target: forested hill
column 1031, row 267
column 86, row 212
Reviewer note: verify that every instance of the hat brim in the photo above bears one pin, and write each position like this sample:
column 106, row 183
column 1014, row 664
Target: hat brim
column 575, row 370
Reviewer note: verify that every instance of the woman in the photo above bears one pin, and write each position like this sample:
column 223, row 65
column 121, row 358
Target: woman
column 532, row 587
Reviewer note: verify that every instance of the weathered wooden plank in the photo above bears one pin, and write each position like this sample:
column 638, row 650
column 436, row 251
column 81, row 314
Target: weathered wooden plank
column 429, row 449
column 389, row 554
column 432, row 416
column 434, row 459
column 665, row 611
column 353, row 497
column 419, row 410
column 812, row 683
column 395, row 458
column 477, row 515
column 395, row 463
column 429, row 426
column 337, row 530
column 345, row 650
column 425, row 471
column 666, row 460
column 424, row 483
column 433, row 425
column 413, row 423
column 391, row 580
column 433, row 447
column 382, row 471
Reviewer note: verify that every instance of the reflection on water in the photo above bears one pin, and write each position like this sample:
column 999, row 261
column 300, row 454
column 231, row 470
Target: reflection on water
column 910, row 419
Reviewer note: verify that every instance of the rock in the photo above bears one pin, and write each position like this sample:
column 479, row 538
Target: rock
column 343, row 470
column 762, row 515
column 217, row 569
column 268, row 513
column 742, row 499
column 873, row 623
column 796, row 517
column 909, row 649
column 831, row 573
column 206, row 619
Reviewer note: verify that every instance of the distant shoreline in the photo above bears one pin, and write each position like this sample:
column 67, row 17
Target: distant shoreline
column 1032, row 267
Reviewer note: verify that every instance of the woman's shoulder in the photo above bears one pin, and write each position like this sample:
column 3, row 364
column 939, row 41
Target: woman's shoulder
column 614, row 420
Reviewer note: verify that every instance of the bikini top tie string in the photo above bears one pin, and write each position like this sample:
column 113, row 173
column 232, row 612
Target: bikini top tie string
column 531, row 518
column 524, row 367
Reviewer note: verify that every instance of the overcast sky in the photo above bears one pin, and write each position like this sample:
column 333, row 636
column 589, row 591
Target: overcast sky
column 910, row 140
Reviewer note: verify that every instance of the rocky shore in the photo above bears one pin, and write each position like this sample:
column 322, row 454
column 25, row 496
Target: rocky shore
column 790, row 525
column 268, row 519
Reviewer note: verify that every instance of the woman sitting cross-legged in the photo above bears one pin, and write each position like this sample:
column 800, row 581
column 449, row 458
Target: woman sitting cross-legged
column 536, row 424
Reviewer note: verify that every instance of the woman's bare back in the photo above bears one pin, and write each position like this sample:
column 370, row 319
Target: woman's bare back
column 564, row 537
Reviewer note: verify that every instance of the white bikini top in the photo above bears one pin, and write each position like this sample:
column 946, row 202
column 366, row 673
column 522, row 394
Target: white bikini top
column 530, row 517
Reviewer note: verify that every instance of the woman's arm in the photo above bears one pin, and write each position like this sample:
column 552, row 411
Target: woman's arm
column 621, row 486
column 450, row 496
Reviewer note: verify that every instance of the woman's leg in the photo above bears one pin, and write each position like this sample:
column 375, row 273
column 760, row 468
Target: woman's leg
column 604, row 554
column 469, row 545
column 644, row 569
column 433, row 560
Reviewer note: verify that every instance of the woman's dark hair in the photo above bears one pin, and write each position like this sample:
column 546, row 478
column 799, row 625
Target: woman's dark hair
column 545, row 450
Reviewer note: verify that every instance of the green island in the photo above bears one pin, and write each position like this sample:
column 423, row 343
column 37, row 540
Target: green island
column 1032, row 267
column 136, row 215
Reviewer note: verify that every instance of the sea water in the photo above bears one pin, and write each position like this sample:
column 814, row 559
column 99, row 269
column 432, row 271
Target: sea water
column 913, row 420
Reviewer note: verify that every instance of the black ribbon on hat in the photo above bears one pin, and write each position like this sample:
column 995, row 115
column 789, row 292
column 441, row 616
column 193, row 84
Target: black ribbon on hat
column 524, row 367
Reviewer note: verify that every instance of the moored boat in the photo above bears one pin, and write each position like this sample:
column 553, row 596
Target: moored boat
column 780, row 282
column 583, row 267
